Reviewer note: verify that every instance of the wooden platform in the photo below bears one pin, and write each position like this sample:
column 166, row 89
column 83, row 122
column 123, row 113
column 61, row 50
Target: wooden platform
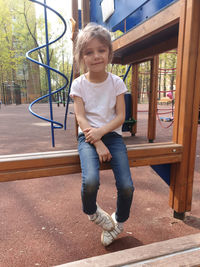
column 156, row 35
column 44, row 164
column 182, row 251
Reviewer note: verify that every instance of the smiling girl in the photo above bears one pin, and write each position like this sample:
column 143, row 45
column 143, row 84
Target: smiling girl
column 100, row 112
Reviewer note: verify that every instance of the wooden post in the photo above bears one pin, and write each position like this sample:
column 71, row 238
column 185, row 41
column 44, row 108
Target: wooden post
column 134, row 95
column 74, row 35
column 76, row 71
column 85, row 12
column 186, row 106
column 153, row 99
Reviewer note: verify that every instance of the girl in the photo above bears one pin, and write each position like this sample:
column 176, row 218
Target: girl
column 100, row 112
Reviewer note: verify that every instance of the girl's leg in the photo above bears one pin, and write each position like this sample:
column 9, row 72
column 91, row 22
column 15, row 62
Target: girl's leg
column 90, row 185
column 90, row 175
column 121, row 170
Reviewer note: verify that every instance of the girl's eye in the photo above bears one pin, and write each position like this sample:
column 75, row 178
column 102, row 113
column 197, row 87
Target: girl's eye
column 102, row 50
column 88, row 53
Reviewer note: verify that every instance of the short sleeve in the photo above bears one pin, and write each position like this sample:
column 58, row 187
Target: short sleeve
column 75, row 89
column 120, row 86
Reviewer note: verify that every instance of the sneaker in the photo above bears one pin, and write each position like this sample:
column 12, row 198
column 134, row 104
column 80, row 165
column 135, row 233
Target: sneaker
column 102, row 219
column 107, row 237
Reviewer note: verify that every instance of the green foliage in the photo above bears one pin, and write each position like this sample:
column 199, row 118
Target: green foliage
column 20, row 31
column 14, row 38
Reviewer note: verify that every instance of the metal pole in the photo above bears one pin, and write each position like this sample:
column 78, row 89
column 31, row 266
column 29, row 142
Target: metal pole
column 48, row 74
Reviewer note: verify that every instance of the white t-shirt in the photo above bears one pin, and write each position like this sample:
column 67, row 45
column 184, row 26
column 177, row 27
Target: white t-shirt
column 99, row 98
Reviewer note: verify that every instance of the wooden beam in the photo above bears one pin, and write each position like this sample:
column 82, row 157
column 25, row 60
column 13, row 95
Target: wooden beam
column 76, row 71
column 75, row 29
column 85, row 12
column 147, row 52
column 194, row 130
column 181, row 251
column 165, row 19
column 186, row 108
column 153, row 99
column 44, row 164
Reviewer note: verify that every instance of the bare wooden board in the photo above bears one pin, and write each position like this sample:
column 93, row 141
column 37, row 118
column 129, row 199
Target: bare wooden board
column 182, row 251
column 44, row 164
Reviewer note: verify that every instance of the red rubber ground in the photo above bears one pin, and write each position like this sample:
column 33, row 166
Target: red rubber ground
column 41, row 221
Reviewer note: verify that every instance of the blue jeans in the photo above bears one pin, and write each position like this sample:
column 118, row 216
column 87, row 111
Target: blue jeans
column 90, row 174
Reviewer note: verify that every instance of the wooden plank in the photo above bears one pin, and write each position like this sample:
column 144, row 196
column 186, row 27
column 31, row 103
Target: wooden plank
column 85, row 12
column 188, row 257
column 157, row 23
column 195, row 115
column 179, row 67
column 153, row 99
column 147, row 52
column 162, row 21
column 185, row 128
column 76, row 71
column 175, row 168
column 27, row 166
column 181, row 251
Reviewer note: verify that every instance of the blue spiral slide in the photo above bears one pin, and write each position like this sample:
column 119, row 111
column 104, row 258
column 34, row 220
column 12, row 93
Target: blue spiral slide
column 54, row 124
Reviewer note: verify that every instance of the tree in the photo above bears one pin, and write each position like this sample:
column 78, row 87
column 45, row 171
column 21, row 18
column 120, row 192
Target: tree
column 8, row 61
column 14, row 43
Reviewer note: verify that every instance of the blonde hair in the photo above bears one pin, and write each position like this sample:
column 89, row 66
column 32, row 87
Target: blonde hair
column 91, row 31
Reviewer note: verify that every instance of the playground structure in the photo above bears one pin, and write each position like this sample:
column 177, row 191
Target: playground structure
column 175, row 25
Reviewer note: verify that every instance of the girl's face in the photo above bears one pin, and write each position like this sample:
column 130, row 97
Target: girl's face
column 95, row 56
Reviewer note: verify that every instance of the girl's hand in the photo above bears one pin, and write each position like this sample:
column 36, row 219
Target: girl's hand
column 92, row 135
column 102, row 151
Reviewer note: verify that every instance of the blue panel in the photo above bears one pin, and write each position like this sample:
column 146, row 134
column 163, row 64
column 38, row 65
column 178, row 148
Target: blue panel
column 79, row 19
column 123, row 8
column 135, row 12
column 128, row 105
column 163, row 171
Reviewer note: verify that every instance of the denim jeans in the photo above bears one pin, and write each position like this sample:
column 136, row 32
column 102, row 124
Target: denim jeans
column 90, row 174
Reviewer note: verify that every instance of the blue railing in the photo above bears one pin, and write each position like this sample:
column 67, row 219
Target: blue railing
column 54, row 124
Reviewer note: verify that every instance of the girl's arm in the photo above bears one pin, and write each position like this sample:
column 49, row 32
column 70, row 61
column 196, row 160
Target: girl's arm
column 94, row 134
column 102, row 150
column 79, row 110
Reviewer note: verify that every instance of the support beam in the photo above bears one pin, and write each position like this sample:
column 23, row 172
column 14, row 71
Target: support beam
column 187, row 101
column 152, row 50
column 44, row 164
column 156, row 35
column 74, row 35
column 153, row 99
column 85, row 12
column 76, row 69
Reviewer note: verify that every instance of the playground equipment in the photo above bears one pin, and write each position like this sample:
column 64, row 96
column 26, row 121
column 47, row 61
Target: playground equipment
column 174, row 25
column 54, row 124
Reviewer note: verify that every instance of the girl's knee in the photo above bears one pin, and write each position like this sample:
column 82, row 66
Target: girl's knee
column 127, row 191
column 91, row 188
column 90, row 185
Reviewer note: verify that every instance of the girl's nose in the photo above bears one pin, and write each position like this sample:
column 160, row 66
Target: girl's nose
column 96, row 54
